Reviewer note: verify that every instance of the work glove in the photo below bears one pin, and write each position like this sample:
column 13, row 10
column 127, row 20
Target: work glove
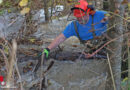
column 46, row 52
column 46, row 55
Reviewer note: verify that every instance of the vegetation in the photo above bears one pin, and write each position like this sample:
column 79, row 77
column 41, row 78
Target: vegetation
column 118, row 33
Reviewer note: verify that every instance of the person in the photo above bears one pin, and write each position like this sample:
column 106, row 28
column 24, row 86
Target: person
column 90, row 24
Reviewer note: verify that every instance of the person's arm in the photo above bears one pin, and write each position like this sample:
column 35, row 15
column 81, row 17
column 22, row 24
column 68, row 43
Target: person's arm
column 68, row 32
column 59, row 39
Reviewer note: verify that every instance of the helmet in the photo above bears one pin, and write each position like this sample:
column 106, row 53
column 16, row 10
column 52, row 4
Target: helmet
column 82, row 9
column 83, row 5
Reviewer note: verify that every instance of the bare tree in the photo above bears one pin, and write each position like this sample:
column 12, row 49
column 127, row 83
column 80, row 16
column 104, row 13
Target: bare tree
column 128, row 65
column 52, row 6
column 46, row 10
column 116, row 46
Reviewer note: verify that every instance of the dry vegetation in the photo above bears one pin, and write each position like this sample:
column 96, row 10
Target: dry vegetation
column 9, row 50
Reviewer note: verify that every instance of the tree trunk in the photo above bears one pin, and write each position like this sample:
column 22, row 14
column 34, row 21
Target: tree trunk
column 52, row 6
column 46, row 10
column 129, row 65
column 99, row 4
column 116, row 46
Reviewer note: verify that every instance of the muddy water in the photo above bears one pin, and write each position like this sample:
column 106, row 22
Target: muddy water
column 64, row 75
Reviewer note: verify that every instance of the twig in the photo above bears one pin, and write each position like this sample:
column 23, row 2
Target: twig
column 21, row 84
column 5, row 60
column 118, row 16
column 41, row 74
column 12, row 61
column 107, row 44
column 12, row 22
column 128, row 66
column 111, row 72
column 81, row 53
column 125, row 71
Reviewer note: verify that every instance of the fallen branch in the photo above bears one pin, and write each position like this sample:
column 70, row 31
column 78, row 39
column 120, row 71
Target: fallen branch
column 107, row 44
